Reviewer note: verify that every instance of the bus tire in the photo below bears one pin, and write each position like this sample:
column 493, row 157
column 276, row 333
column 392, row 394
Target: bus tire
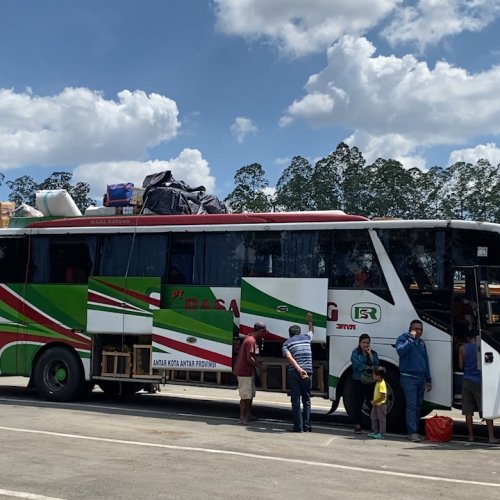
column 349, row 400
column 115, row 389
column 395, row 402
column 58, row 375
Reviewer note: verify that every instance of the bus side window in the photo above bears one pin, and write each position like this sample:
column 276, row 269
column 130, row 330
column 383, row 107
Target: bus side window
column 13, row 259
column 354, row 263
column 181, row 259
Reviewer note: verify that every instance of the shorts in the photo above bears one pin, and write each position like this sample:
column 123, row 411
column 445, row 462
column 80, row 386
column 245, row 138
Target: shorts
column 471, row 397
column 246, row 386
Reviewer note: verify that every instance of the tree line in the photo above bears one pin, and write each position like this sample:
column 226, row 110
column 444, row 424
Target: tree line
column 344, row 181
column 341, row 181
column 24, row 188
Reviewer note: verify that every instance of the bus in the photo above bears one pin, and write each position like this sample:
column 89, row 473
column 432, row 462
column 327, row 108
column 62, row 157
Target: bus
column 127, row 301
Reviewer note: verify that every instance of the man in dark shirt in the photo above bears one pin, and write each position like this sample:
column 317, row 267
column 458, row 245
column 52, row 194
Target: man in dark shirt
column 297, row 350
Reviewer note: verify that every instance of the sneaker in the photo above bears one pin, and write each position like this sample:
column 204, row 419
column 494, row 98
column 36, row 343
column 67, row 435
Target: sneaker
column 358, row 430
column 414, row 438
column 378, row 436
column 372, row 435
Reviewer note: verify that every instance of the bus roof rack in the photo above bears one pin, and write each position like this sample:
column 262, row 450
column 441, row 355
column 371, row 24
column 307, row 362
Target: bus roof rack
column 198, row 219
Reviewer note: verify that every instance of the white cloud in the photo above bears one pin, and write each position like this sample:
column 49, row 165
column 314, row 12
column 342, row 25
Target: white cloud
column 402, row 101
column 429, row 21
column 189, row 166
column 282, row 161
column 242, row 127
column 393, row 146
column 299, row 27
column 81, row 126
column 311, row 107
column 488, row 151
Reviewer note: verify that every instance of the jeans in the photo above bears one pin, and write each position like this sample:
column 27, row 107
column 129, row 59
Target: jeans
column 413, row 389
column 300, row 389
column 378, row 417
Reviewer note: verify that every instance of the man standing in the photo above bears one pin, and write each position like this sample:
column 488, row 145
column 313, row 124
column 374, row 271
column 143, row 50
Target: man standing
column 244, row 369
column 415, row 375
column 297, row 350
column 471, row 387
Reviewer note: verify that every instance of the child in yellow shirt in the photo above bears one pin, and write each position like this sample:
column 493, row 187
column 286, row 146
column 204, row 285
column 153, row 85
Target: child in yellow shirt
column 379, row 404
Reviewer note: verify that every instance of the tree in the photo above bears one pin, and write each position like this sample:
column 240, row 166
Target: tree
column 249, row 194
column 339, row 180
column 293, row 190
column 471, row 191
column 392, row 190
column 23, row 189
column 354, row 182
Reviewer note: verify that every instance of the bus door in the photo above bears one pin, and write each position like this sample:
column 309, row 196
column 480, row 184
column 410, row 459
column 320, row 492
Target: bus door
column 488, row 300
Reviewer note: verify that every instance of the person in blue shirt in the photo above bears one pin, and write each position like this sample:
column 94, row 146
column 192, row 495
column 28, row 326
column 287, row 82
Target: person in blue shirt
column 297, row 350
column 363, row 359
column 471, row 387
column 415, row 375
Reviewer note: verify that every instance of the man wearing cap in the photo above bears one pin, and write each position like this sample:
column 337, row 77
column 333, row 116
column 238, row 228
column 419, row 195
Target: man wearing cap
column 297, row 350
column 244, row 369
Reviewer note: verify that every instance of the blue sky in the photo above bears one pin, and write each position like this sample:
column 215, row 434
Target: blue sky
column 114, row 90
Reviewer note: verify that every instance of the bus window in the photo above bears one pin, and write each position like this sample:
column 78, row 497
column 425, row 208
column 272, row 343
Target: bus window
column 420, row 259
column 133, row 255
column 353, row 261
column 303, row 254
column 474, row 248
column 13, row 259
column 418, row 256
column 181, row 259
column 62, row 259
column 263, row 256
column 219, row 258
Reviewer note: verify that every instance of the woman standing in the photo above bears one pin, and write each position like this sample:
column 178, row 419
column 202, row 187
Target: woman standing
column 363, row 361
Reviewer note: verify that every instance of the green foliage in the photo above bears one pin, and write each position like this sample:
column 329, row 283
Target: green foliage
column 249, row 194
column 294, row 186
column 343, row 181
column 23, row 189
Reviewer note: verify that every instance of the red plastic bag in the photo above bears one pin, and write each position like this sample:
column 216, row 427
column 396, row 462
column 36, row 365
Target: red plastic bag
column 438, row 429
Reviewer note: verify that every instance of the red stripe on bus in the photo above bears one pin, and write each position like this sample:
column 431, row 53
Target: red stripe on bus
column 7, row 338
column 131, row 293
column 193, row 350
column 199, row 219
column 37, row 318
column 99, row 299
column 245, row 330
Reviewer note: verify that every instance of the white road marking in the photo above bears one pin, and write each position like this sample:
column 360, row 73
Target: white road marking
column 22, row 494
column 253, row 456
column 329, row 442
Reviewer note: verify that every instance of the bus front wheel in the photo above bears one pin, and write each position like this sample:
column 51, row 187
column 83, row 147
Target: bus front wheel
column 395, row 402
column 58, row 375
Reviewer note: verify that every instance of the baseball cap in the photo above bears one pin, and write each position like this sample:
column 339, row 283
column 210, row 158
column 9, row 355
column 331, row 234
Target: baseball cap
column 259, row 326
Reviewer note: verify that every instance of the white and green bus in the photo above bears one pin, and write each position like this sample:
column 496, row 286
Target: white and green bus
column 125, row 301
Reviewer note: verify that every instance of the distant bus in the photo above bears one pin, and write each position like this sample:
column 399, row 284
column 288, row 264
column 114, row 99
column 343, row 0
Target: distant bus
column 125, row 301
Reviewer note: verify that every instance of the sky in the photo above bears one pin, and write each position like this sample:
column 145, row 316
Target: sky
column 114, row 90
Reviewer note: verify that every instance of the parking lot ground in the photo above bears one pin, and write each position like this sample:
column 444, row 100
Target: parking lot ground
column 185, row 442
